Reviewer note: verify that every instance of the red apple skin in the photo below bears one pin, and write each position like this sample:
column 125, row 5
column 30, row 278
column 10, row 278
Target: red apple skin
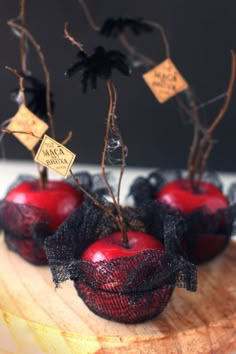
column 108, row 302
column 179, row 195
column 59, row 199
column 110, row 247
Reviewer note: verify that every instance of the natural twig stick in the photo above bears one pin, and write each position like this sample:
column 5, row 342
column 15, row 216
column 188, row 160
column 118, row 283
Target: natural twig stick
column 123, row 146
column 89, row 16
column 8, row 131
column 76, row 180
column 204, row 161
column 5, row 130
column 123, row 38
column 22, row 37
column 21, row 82
column 72, row 39
column 195, row 140
column 67, row 139
column 106, row 139
column 207, row 137
column 106, row 209
column 163, row 35
column 45, row 70
column 110, row 124
column 133, row 51
column 43, row 173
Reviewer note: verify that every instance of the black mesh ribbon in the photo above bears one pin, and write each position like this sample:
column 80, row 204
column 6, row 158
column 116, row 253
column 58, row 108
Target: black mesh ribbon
column 206, row 235
column 26, row 227
column 131, row 289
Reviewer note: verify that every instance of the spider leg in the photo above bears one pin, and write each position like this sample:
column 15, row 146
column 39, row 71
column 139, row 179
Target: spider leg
column 118, row 61
column 140, row 26
column 82, row 55
column 135, row 29
column 120, row 26
column 133, row 25
column 94, row 80
column 116, row 54
column 108, row 27
column 74, row 69
column 85, row 79
column 121, row 66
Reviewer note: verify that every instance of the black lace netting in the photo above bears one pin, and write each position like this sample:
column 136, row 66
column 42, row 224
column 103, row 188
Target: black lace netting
column 131, row 289
column 26, row 227
column 206, row 235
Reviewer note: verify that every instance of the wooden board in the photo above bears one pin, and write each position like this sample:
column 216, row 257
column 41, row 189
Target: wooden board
column 35, row 318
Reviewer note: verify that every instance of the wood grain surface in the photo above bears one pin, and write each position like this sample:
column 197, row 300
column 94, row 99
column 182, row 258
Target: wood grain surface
column 35, row 318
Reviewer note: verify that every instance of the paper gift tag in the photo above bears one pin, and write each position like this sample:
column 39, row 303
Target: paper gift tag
column 165, row 81
column 55, row 156
column 28, row 122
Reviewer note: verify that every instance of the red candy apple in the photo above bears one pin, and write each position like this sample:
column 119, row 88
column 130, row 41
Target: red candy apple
column 178, row 194
column 110, row 273
column 110, row 247
column 58, row 200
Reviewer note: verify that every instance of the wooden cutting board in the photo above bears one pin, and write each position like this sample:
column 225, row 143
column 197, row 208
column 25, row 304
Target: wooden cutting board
column 35, row 318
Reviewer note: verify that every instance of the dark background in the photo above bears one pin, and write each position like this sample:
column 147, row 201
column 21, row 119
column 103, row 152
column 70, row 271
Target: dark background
column 201, row 34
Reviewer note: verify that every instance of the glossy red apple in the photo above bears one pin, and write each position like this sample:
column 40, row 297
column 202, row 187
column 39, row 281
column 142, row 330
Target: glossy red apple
column 110, row 247
column 59, row 199
column 178, row 194
column 108, row 301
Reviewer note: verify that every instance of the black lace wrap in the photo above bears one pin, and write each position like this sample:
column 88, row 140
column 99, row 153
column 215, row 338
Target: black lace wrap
column 129, row 289
column 26, row 227
column 206, row 234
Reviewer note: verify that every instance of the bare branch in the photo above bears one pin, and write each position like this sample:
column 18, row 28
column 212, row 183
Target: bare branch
column 110, row 122
column 163, row 35
column 89, row 16
column 71, row 39
column 204, row 161
column 5, row 130
column 22, row 38
column 90, row 196
column 207, row 137
column 67, row 139
column 21, row 82
column 45, row 70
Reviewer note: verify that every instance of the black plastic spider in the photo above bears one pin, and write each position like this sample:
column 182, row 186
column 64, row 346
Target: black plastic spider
column 35, row 95
column 99, row 65
column 113, row 27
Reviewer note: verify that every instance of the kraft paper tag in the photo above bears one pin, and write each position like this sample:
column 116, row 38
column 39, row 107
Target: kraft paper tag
column 28, row 122
column 165, row 81
column 55, row 156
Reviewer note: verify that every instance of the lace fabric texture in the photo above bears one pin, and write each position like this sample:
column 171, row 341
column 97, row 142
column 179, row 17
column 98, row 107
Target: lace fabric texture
column 206, row 235
column 26, row 227
column 124, row 289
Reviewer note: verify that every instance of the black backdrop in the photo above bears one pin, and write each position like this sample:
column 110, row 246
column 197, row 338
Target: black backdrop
column 201, row 34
